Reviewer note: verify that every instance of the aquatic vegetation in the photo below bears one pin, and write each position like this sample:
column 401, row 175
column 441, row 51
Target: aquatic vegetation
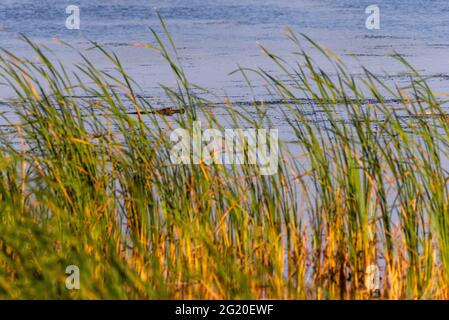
column 86, row 180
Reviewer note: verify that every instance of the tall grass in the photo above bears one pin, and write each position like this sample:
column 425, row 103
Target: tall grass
column 86, row 180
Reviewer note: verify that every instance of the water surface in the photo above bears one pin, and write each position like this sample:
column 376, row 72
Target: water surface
column 214, row 37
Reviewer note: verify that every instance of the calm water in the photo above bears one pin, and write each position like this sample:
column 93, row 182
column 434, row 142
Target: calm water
column 215, row 36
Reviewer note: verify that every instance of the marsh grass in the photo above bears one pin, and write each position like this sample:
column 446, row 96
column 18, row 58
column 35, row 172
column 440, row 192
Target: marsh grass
column 88, row 182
